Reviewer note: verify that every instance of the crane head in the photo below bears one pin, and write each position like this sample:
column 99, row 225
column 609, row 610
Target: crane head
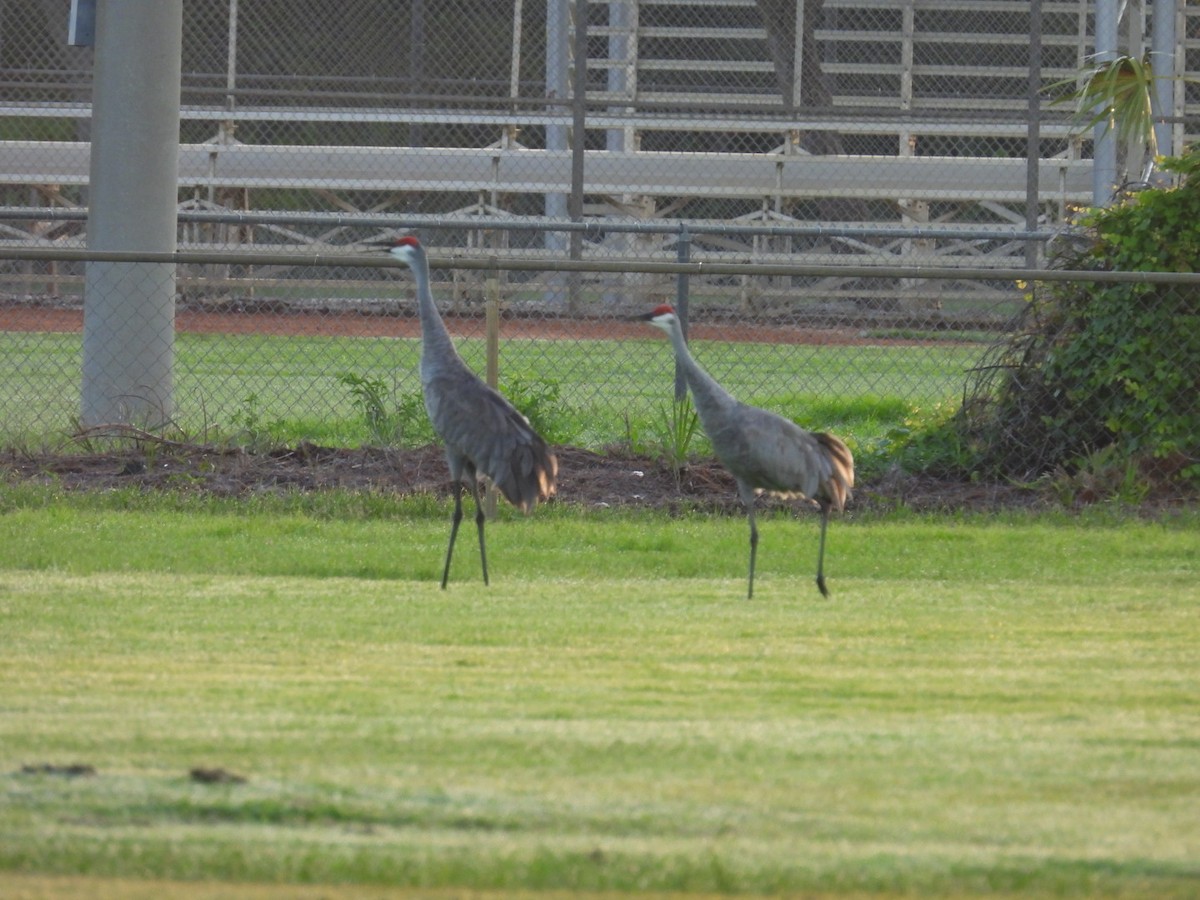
column 403, row 248
column 661, row 317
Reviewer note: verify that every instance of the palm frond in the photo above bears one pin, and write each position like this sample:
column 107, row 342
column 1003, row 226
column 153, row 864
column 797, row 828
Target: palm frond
column 1115, row 93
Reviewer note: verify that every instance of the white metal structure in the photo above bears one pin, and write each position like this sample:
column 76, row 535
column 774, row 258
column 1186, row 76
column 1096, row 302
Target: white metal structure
column 871, row 112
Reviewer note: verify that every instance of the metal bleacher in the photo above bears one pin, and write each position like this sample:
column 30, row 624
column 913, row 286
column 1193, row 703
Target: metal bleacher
column 893, row 106
column 520, row 170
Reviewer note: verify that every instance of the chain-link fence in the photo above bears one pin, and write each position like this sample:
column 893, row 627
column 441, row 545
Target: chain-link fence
column 280, row 353
column 278, row 366
column 859, row 139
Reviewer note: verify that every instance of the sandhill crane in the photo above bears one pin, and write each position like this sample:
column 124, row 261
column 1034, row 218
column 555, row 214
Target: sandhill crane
column 764, row 452
column 483, row 433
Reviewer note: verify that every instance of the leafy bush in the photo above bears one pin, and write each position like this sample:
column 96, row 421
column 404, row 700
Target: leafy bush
column 1099, row 365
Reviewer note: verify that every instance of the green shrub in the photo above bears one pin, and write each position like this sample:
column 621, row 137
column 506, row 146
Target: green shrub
column 1098, row 365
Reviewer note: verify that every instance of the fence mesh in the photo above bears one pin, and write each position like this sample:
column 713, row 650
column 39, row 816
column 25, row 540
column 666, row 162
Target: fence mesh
column 859, row 134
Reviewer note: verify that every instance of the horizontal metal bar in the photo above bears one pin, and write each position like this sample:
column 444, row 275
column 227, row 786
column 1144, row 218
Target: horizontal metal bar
column 651, row 173
column 944, row 122
column 539, row 223
column 375, row 259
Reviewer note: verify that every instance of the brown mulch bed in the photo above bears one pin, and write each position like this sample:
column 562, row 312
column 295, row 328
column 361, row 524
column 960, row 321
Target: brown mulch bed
column 615, row 478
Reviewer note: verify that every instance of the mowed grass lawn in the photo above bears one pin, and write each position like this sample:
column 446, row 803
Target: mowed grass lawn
column 998, row 707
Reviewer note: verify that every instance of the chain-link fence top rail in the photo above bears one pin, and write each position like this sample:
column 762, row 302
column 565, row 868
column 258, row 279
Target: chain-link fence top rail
column 860, row 134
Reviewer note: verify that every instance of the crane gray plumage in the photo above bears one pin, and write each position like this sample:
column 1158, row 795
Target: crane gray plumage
column 764, row 452
column 483, row 433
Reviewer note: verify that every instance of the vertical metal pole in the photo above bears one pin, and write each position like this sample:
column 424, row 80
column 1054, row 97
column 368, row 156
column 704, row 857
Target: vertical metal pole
column 622, row 82
column 558, row 53
column 509, row 139
column 492, row 342
column 1033, row 142
column 1179, row 86
column 514, row 71
column 621, row 71
column 491, row 288
column 227, row 234
column 683, row 252
column 1162, row 64
column 416, row 65
column 908, row 29
column 797, row 99
column 578, row 126
column 558, row 65
column 231, row 58
column 1104, row 155
column 129, row 307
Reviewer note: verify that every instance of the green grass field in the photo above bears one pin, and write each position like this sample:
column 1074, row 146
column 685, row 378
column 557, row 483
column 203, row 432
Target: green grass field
column 286, row 389
column 984, row 707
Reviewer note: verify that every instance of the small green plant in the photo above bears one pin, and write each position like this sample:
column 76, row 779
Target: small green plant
column 678, row 426
column 248, row 418
column 1099, row 477
column 252, row 428
column 667, row 438
column 370, row 396
column 405, row 423
column 413, row 428
column 635, row 437
column 929, row 441
column 539, row 401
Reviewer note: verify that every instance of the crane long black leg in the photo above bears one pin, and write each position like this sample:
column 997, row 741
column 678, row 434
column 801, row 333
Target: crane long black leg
column 821, row 551
column 753, row 550
column 479, row 520
column 746, row 492
column 457, row 517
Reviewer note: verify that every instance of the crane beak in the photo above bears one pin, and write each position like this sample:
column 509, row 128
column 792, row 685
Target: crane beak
column 379, row 244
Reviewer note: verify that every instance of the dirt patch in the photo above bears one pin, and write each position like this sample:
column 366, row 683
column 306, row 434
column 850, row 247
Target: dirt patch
column 332, row 323
column 592, row 480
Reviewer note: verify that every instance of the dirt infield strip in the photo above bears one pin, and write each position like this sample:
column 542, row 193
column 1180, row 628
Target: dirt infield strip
column 327, row 324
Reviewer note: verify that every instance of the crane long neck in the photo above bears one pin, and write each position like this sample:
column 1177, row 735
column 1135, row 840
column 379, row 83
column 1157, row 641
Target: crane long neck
column 435, row 339
column 706, row 393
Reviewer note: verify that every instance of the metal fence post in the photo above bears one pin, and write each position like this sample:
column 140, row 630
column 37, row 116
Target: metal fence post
column 492, row 340
column 558, row 54
column 1104, row 167
column 578, row 126
column 1162, row 63
column 1033, row 141
column 683, row 250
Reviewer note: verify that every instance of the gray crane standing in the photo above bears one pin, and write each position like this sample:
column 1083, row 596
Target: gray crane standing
column 765, row 453
column 483, row 433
